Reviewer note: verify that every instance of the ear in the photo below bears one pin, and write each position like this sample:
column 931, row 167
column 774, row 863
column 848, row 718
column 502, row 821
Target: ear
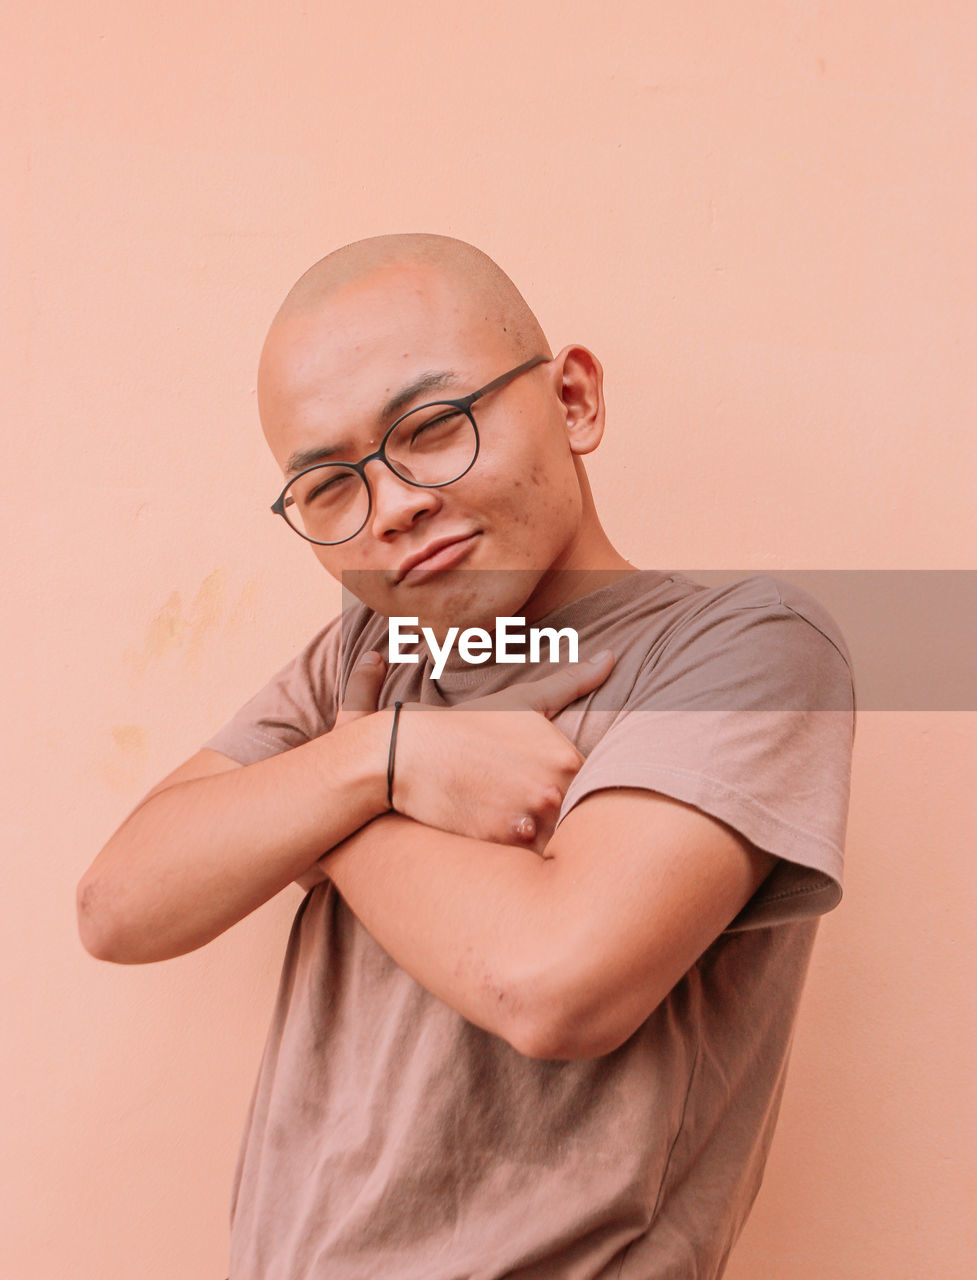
column 580, row 387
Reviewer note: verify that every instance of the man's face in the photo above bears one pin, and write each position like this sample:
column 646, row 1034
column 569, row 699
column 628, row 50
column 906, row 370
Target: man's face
column 325, row 378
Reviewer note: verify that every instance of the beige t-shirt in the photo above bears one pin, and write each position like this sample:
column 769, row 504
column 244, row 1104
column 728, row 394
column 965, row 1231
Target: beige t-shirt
column 390, row 1139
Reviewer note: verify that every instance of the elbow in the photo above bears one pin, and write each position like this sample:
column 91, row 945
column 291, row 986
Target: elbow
column 566, row 1041
column 567, row 1021
column 91, row 931
column 111, row 931
column 544, row 1042
column 95, row 928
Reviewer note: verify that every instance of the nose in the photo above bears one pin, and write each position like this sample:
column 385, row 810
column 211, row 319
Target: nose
column 397, row 505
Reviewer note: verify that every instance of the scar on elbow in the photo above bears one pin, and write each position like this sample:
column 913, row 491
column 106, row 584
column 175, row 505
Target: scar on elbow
column 87, row 899
column 473, row 967
column 87, row 906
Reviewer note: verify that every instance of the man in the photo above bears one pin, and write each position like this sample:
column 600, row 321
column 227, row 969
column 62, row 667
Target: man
column 536, row 1007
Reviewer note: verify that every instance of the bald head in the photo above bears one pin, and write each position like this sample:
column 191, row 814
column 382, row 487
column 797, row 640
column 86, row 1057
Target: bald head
column 472, row 274
column 395, row 324
column 374, row 325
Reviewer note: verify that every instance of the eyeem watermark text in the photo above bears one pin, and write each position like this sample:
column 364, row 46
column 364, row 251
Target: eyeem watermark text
column 511, row 642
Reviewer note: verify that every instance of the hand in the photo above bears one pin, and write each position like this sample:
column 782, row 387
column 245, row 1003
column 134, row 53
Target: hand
column 494, row 768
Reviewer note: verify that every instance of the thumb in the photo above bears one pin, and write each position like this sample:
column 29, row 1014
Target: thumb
column 552, row 693
column 362, row 688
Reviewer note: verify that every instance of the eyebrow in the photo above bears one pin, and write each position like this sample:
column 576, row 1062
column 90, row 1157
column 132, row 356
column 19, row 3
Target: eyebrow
column 321, row 453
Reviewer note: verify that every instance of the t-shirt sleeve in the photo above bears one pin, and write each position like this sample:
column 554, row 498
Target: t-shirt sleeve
column 747, row 713
column 299, row 703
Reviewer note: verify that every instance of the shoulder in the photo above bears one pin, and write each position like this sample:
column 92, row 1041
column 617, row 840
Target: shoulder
column 778, row 596
column 762, row 632
column 663, row 604
column 301, row 700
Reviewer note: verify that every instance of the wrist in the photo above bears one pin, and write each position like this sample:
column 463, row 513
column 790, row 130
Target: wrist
column 366, row 762
column 392, row 754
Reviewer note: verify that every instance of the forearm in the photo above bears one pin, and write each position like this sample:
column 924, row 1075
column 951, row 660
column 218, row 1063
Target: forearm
column 197, row 857
column 477, row 924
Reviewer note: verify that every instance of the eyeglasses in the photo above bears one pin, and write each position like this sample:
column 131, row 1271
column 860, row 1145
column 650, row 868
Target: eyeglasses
column 430, row 446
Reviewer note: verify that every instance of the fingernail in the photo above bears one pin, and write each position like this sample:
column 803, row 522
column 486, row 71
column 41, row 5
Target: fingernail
column 370, row 659
column 599, row 657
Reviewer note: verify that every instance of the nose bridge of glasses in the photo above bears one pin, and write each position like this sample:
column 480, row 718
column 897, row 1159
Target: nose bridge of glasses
column 381, row 466
column 390, row 492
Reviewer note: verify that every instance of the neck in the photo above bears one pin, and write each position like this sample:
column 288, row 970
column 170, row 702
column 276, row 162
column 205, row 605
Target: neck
column 590, row 562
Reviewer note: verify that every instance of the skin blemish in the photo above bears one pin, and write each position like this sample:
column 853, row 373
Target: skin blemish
column 470, row 963
column 87, row 899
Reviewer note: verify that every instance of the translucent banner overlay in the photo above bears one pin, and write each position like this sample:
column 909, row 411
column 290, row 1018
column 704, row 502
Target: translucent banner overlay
column 911, row 634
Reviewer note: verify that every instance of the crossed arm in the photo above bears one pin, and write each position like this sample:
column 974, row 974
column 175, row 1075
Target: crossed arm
column 563, row 948
column 566, row 955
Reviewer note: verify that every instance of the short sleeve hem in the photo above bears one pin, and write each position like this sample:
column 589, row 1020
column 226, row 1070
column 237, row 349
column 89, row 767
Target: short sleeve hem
column 806, row 882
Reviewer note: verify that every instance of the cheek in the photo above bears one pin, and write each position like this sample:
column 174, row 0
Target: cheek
column 544, row 497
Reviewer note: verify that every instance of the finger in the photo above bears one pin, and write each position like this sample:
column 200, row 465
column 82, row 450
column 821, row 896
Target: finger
column 362, row 688
column 552, row 693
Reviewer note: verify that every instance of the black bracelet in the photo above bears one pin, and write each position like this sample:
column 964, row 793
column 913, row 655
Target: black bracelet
column 390, row 756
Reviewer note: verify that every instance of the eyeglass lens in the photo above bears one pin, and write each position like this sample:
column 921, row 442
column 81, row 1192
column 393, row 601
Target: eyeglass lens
column 433, row 445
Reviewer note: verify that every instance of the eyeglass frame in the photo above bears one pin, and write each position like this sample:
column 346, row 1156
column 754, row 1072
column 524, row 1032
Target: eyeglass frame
column 464, row 405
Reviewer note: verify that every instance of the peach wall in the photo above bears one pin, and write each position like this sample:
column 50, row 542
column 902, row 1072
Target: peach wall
column 761, row 216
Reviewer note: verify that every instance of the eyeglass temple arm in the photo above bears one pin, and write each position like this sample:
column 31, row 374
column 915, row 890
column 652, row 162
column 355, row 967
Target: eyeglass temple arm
column 506, row 377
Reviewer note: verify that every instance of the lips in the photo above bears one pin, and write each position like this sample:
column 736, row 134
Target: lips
column 440, row 554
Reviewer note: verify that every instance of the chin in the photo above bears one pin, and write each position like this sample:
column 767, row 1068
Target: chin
column 468, row 598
